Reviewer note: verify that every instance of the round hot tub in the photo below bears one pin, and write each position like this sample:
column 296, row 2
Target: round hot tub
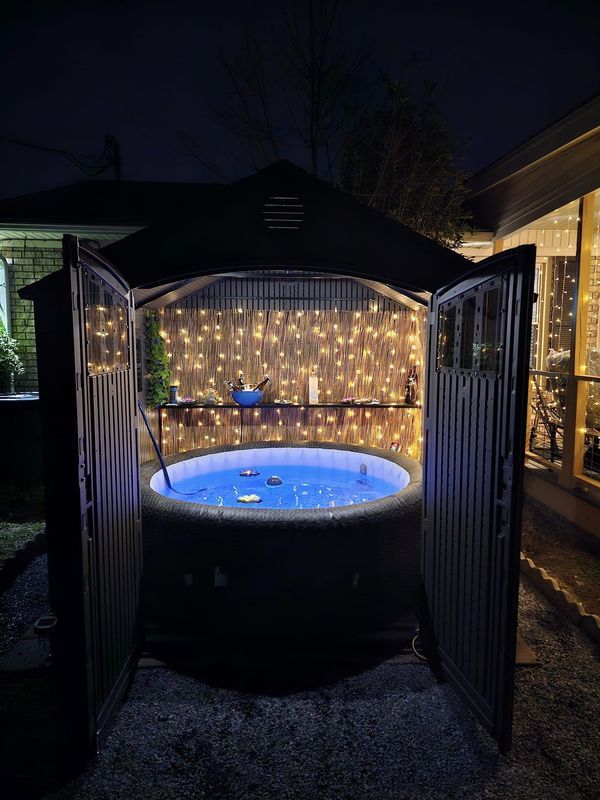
column 281, row 538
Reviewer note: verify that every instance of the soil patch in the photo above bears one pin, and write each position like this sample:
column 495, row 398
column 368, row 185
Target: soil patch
column 556, row 546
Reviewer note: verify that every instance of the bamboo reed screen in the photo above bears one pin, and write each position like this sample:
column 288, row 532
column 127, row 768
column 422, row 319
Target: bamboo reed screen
column 355, row 353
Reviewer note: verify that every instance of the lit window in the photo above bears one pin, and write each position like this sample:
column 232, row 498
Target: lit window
column 4, row 322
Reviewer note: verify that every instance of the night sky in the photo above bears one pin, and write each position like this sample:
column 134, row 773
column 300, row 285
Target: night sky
column 143, row 70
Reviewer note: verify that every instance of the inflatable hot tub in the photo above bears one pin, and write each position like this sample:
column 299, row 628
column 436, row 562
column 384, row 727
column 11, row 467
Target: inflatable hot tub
column 276, row 538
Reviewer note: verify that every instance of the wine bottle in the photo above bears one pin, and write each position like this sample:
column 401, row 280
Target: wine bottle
column 260, row 386
column 242, row 384
column 234, row 387
column 410, row 395
column 313, row 388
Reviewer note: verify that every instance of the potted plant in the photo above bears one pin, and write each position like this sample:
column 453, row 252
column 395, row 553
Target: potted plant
column 10, row 363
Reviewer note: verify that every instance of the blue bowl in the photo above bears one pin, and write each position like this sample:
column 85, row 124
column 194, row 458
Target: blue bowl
column 247, row 398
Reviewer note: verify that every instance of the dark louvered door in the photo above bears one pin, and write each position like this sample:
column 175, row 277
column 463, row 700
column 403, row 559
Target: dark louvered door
column 474, row 449
column 106, row 318
column 86, row 361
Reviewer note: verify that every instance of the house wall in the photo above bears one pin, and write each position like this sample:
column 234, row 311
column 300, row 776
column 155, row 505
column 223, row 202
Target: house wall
column 28, row 261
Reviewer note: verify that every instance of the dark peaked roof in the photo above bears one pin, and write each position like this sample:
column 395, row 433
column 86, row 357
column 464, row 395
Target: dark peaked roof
column 283, row 217
column 559, row 164
column 110, row 203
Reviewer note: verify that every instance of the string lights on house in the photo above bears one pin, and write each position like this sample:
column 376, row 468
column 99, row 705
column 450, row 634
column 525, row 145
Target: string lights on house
column 555, row 237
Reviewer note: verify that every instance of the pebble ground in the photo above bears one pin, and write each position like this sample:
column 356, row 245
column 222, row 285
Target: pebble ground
column 390, row 732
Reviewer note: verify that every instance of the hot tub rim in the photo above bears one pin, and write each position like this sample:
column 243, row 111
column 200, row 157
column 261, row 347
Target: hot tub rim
column 393, row 503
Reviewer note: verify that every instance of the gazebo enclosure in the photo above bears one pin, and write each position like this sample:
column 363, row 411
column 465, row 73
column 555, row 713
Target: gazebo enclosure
column 286, row 324
column 284, row 266
column 356, row 313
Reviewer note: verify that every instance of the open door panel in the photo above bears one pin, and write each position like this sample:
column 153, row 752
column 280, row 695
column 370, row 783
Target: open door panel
column 475, row 420
column 84, row 319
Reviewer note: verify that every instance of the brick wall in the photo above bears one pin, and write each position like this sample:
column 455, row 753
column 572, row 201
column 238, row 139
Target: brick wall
column 28, row 261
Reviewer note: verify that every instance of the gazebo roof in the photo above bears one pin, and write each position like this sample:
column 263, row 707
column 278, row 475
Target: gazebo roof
column 281, row 217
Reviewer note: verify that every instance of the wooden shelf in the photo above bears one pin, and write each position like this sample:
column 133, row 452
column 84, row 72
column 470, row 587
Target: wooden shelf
column 302, row 406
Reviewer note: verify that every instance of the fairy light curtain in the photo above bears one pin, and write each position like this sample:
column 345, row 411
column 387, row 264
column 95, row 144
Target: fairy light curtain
column 555, row 238
column 364, row 353
column 360, row 354
column 593, row 305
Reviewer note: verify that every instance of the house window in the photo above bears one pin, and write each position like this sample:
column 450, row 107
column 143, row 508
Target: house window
column 587, row 346
column 4, row 322
column 564, row 398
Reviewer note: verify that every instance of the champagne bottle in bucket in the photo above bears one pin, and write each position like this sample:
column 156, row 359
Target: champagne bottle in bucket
column 263, row 384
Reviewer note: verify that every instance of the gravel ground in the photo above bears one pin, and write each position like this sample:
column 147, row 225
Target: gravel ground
column 24, row 602
column 390, row 732
column 569, row 555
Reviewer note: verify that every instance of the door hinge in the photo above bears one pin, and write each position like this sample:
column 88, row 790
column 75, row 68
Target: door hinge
column 88, row 490
column 506, row 471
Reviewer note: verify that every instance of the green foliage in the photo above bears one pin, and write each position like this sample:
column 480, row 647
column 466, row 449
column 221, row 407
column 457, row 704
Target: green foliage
column 401, row 160
column 10, row 363
column 157, row 363
column 15, row 534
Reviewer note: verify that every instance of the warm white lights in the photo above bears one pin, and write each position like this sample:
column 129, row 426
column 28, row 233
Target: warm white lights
column 351, row 351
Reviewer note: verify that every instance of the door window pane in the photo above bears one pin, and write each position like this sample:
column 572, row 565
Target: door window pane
column 106, row 326
column 446, row 337
column 467, row 333
column 491, row 343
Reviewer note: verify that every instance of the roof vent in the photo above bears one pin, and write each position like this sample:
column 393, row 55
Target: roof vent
column 284, row 213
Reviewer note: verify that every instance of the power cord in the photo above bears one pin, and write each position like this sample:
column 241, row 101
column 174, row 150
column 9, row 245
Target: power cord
column 416, row 647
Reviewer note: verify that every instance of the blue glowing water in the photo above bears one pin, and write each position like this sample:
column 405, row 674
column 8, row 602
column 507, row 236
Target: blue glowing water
column 302, row 487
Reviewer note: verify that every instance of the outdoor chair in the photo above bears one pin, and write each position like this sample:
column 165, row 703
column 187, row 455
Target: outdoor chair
column 547, row 421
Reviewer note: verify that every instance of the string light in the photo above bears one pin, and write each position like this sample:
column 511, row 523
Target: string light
column 291, row 344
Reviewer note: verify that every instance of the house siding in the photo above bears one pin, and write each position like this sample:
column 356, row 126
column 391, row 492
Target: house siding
column 28, row 261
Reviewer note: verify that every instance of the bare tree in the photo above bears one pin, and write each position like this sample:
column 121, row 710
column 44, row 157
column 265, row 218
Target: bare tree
column 90, row 165
column 301, row 90
column 295, row 89
column 323, row 94
column 256, row 95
